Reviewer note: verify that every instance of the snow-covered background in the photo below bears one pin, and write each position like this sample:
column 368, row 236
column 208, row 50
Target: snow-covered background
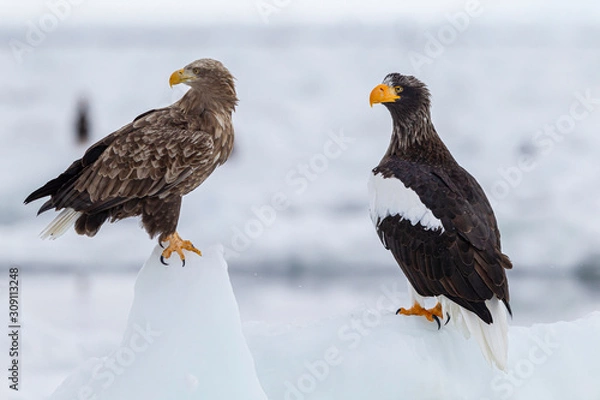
column 507, row 83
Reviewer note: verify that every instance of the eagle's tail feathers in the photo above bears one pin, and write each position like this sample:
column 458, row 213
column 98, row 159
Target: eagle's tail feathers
column 60, row 224
column 492, row 338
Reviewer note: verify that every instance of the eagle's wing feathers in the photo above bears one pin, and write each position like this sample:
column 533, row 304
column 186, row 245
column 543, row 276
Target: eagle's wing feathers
column 149, row 157
column 462, row 261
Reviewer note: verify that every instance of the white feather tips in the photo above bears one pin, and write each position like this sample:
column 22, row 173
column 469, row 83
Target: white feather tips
column 492, row 338
column 390, row 197
column 60, row 224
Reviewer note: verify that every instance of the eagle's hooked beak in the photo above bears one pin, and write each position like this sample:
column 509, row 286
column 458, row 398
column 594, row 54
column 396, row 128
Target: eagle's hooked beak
column 382, row 94
column 179, row 76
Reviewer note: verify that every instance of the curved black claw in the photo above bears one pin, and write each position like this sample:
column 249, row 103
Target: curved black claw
column 398, row 310
column 183, row 262
column 161, row 246
column 162, row 260
column 447, row 319
column 437, row 319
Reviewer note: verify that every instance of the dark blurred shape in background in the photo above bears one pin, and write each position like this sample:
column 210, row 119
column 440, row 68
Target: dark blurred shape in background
column 82, row 121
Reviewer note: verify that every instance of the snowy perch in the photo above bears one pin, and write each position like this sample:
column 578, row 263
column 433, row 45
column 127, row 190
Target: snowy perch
column 183, row 340
column 374, row 354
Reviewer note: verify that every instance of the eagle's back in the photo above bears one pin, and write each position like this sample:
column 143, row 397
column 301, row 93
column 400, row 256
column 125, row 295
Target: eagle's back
column 440, row 227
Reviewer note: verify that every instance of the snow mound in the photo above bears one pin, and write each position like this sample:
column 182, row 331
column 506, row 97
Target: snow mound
column 374, row 354
column 183, row 339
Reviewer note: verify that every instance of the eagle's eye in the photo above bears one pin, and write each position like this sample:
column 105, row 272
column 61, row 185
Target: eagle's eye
column 398, row 89
column 196, row 71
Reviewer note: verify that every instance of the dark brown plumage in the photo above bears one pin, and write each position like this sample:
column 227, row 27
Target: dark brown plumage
column 144, row 168
column 437, row 221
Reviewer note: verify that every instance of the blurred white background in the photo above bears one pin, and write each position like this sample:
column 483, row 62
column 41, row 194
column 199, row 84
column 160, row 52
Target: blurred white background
column 516, row 97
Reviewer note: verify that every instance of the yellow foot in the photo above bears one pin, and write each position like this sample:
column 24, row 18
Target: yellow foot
column 431, row 314
column 177, row 245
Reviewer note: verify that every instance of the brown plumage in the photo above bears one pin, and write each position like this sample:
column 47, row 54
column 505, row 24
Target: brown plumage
column 437, row 222
column 144, row 168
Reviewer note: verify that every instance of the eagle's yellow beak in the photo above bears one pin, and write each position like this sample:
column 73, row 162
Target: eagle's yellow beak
column 179, row 76
column 382, row 94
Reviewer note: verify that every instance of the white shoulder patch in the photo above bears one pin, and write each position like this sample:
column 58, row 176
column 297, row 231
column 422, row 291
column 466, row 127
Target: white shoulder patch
column 390, row 197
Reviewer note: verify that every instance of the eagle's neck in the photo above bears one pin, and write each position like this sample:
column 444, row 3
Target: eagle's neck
column 414, row 138
column 212, row 112
column 195, row 102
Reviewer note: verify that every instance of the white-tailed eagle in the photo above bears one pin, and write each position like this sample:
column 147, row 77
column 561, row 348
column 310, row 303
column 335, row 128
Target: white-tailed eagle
column 144, row 168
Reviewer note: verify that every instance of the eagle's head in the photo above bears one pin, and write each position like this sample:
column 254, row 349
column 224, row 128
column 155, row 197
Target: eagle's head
column 407, row 100
column 403, row 95
column 200, row 72
column 210, row 79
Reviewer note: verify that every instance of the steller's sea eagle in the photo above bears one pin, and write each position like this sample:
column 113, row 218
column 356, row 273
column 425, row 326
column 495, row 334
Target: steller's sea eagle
column 145, row 168
column 437, row 222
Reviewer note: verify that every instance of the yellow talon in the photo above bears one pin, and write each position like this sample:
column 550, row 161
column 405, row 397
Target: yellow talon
column 416, row 309
column 177, row 245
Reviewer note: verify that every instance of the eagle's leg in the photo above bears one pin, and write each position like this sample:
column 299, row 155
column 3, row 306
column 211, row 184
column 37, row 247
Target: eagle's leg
column 177, row 245
column 431, row 313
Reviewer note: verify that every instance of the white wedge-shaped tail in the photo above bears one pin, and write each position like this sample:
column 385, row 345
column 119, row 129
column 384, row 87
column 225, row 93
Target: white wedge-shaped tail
column 492, row 338
column 60, row 224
